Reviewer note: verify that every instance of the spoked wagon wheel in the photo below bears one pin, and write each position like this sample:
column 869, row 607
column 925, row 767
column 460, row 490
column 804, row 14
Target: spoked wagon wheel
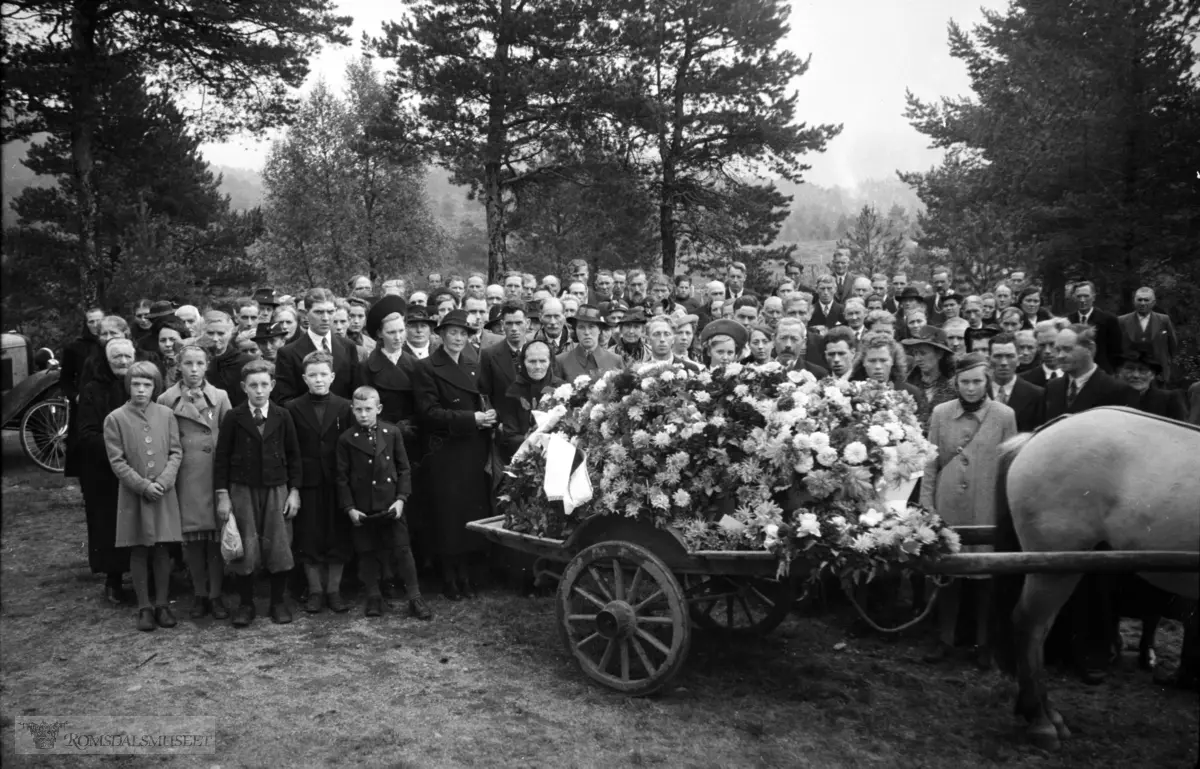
column 739, row 605
column 44, row 434
column 622, row 615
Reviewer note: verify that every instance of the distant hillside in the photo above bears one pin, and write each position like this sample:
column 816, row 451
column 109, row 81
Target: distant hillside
column 243, row 186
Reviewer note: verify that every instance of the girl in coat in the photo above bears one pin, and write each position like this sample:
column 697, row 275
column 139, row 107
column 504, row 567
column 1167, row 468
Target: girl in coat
column 142, row 439
column 454, row 426
column 960, row 482
column 199, row 408
column 100, row 396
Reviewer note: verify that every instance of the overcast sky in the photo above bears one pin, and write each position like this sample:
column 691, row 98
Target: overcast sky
column 864, row 54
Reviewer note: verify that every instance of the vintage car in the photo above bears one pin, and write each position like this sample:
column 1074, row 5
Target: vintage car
column 33, row 403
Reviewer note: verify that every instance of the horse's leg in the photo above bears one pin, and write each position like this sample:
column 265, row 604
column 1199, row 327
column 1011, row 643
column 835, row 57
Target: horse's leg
column 1146, row 656
column 1041, row 599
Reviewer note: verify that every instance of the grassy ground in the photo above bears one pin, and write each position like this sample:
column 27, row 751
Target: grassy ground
column 488, row 684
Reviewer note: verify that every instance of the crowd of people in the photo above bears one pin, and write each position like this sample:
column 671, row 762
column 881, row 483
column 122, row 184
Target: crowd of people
column 369, row 428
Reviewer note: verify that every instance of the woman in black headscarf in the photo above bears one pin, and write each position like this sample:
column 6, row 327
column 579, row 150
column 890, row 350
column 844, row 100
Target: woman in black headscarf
column 535, row 378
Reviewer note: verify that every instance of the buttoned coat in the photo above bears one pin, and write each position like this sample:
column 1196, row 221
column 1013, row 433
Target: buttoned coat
column 143, row 448
column 289, row 368
column 960, row 479
column 497, row 373
column 246, row 457
column 456, row 450
column 199, row 422
column 1100, row 390
column 370, row 478
column 1159, row 336
column 394, row 381
column 572, row 363
column 98, row 398
column 320, row 533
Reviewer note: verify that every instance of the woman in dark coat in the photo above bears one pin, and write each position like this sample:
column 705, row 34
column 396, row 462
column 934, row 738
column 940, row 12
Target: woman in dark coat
column 534, row 379
column 1029, row 301
column 454, row 426
column 1139, row 368
column 100, row 397
column 71, row 380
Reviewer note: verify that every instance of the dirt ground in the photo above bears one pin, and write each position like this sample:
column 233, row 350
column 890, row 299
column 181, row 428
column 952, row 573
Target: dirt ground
column 487, row 683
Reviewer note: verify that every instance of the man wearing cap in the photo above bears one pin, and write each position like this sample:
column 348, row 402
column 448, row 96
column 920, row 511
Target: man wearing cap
column 498, row 362
column 1138, row 367
column 270, row 338
column 419, row 340
column 289, row 374
column 267, row 300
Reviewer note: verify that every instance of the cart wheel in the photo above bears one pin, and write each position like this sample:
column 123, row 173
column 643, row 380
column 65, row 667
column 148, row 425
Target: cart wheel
column 748, row 606
column 44, row 434
column 622, row 615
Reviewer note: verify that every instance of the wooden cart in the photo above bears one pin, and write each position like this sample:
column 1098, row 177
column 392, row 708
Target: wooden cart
column 629, row 593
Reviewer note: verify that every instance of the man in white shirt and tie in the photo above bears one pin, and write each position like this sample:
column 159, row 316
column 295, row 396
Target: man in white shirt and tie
column 1023, row 398
column 319, row 336
column 1046, row 333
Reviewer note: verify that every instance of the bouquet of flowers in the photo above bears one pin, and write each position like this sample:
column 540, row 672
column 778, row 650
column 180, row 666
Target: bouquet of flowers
column 744, row 457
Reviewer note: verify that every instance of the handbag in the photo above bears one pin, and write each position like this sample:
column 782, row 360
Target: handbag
column 231, row 541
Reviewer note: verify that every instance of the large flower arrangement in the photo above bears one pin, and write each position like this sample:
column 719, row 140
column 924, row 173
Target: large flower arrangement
column 741, row 458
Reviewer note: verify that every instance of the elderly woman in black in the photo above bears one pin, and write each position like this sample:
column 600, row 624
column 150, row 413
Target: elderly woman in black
column 454, row 425
column 535, row 378
column 102, row 395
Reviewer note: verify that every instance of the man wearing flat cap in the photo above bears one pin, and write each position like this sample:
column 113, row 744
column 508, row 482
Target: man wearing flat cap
column 587, row 356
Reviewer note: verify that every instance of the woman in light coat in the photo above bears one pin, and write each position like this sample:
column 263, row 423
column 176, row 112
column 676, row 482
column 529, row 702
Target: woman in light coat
column 199, row 408
column 960, row 481
column 142, row 440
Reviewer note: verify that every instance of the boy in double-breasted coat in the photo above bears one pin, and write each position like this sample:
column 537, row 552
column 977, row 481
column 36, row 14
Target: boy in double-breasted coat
column 374, row 482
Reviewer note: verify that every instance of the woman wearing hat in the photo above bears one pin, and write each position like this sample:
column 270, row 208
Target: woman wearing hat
column 588, row 356
column 171, row 333
column 270, row 338
column 158, row 314
column 960, row 482
column 933, row 369
column 630, row 343
column 1138, row 367
column 455, row 424
column 723, row 341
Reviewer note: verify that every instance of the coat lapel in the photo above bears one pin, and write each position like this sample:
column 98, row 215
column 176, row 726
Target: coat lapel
column 245, row 418
column 361, row 441
column 274, row 420
column 305, row 408
column 462, row 374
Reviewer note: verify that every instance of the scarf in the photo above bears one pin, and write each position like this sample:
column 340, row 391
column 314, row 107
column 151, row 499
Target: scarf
column 971, row 408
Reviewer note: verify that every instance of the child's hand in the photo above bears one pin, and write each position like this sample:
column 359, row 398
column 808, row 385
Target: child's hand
column 224, row 506
column 356, row 516
column 292, row 506
column 154, row 492
column 397, row 509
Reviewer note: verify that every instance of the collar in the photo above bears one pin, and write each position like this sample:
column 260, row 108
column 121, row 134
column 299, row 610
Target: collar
column 393, row 357
column 1083, row 316
column 1081, row 381
column 316, row 339
column 420, row 352
column 266, row 409
column 958, row 412
column 1006, row 388
column 1049, row 372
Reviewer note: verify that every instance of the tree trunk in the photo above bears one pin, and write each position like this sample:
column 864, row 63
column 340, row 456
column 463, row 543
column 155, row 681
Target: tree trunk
column 497, row 237
column 497, row 148
column 85, row 106
column 666, row 220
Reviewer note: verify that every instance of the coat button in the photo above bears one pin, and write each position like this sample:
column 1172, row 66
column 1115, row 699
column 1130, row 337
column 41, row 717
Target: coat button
column 149, row 439
column 149, row 452
column 374, row 482
column 150, row 464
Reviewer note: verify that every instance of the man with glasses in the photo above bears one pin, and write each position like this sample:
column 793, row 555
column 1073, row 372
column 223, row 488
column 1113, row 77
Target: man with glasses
column 289, row 374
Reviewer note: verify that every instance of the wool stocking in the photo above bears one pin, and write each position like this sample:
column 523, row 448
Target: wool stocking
column 139, row 558
column 312, row 572
column 195, row 555
column 278, row 587
column 408, row 572
column 216, row 568
column 162, row 575
column 246, row 589
column 335, row 577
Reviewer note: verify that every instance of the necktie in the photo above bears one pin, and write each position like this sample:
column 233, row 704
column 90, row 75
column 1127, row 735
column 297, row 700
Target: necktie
column 259, row 418
column 325, row 344
column 591, row 365
column 1003, row 395
column 1072, row 392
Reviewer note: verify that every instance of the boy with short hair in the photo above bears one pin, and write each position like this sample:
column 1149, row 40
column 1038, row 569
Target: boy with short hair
column 320, row 533
column 373, row 482
column 257, row 477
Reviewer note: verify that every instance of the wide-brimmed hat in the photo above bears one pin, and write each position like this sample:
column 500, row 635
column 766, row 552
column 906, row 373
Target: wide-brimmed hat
column 1139, row 354
column 380, row 310
column 930, row 335
column 910, row 292
column 589, row 314
column 161, row 309
column 418, row 313
column 454, row 319
column 266, row 331
column 636, row 315
column 726, row 327
column 266, row 296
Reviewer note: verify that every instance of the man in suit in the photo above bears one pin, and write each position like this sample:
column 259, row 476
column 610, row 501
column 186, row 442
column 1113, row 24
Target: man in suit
column 318, row 336
column 1108, row 330
column 477, row 314
column 588, row 357
column 843, row 279
column 498, row 362
column 791, row 346
column 940, row 278
column 554, row 330
column 828, row 311
column 735, row 281
column 1047, row 368
column 1152, row 329
column 1025, row 399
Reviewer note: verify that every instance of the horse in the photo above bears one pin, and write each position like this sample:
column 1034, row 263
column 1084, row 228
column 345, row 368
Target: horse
column 1109, row 477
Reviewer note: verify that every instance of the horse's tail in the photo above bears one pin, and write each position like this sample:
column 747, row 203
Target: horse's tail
column 1006, row 588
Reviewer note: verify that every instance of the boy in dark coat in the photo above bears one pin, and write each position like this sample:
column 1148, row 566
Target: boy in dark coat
column 374, row 481
column 320, row 534
column 257, row 477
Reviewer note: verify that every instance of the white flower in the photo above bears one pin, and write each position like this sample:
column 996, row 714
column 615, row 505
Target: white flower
column 808, row 525
column 702, row 397
column 581, row 382
column 827, row 457
column 926, row 535
column 648, row 382
column 659, row 500
column 878, row 434
column 662, row 440
column 804, row 464
column 682, row 499
column 741, row 390
column 855, row 453
column 819, row 441
column 717, row 421
column 597, row 412
column 838, row 521
column 641, row 439
column 863, row 542
column 733, row 369
column 667, row 376
column 802, row 442
column 871, row 518
column 562, row 392
column 704, row 378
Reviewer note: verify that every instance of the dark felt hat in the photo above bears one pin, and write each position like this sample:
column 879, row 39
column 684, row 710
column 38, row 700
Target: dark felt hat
column 955, row 297
column 930, row 335
column 1140, row 354
column 454, row 318
column 161, row 309
column 266, row 296
column 380, row 310
column 589, row 314
column 970, row 361
column 418, row 313
column 636, row 315
column 725, row 327
column 910, row 292
column 494, row 316
column 266, row 331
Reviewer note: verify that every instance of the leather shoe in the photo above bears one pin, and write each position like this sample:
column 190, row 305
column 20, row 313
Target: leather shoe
column 419, row 609
column 335, row 603
column 280, row 613
column 243, row 615
column 468, row 590
column 218, row 608
column 114, row 595
column 387, row 589
column 374, row 607
column 450, row 590
column 940, row 653
column 165, row 617
column 199, row 607
column 145, row 621
column 1093, row 676
column 315, row 602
